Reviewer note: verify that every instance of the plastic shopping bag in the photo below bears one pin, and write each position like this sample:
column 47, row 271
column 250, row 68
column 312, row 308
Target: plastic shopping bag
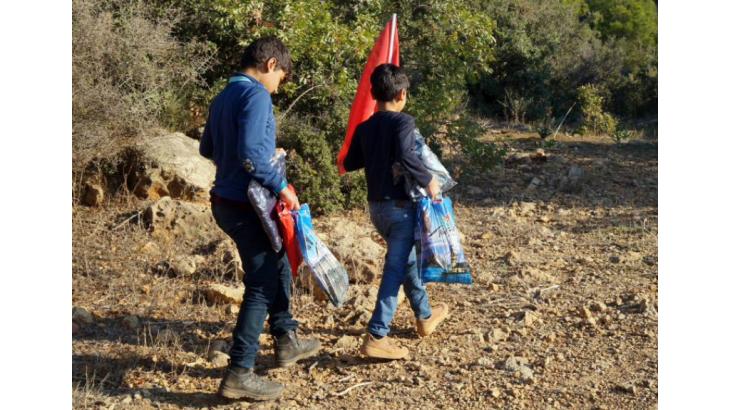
column 441, row 257
column 264, row 201
column 433, row 165
column 287, row 231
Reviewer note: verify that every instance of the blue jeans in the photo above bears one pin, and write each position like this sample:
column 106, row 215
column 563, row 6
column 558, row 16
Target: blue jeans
column 267, row 279
column 396, row 226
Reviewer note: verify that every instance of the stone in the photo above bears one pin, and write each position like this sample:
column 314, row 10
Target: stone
column 93, row 195
column 486, row 236
column 218, row 345
column 217, row 293
column 493, row 287
column 632, row 256
column 219, row 359
column 352, row 244
column 599, row 307
column 183, row 265
column 482, row 361
column 150, row 248
column 495, row 392
column 534, row 275
column 234, row 264
column 179, row 220
column 511, row 258
column 347, row 342
column 74, row 327
column 584, row 312
column 534, row 184
column 233, row 309
column 530, row 317
column 527, row 208
column 130, row 322
column 614, row 259
column 496, row 335
column 82, row 316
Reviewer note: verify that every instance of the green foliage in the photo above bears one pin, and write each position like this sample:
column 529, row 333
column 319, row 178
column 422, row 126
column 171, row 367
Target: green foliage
column 594, row 120
column 622, row 135
column 544, row 130
column 138, row 65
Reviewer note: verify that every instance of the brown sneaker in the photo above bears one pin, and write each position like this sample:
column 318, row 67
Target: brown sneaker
column 382, row 349
column 425, row 327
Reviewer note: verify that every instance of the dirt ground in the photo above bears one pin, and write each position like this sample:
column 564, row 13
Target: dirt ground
column 563, row 311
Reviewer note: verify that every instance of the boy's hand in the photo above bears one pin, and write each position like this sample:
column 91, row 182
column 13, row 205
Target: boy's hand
column 289, row 198
column 433, row 188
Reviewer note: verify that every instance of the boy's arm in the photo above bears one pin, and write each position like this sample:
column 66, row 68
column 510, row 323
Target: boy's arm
column 407, row 146
column 252, row 152
column 206, row 141
column 354, row 159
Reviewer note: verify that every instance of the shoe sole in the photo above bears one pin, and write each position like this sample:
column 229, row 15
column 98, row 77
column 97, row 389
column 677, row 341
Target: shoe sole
column 238, row 394
column 381, row 354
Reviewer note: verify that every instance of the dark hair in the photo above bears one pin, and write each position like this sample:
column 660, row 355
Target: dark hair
column 265, row 48
column 387, row 80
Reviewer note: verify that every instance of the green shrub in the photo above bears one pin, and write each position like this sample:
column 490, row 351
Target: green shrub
column 594, row 120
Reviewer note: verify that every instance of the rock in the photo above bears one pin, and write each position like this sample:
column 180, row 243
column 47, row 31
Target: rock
column 347, row 342
column 511, row 258
column 534, row 184
column 475, row 191
column 93, row 195
column 651, row 261
column 496, row 335
column 530, row 317
column 74, row 327
column 130, row 322
column 218, row 345
column 233, row 263
column 517, row 158
column 634, row 256
column 493, row 287
column 527, row 208
column 306, row 281
column 477, row 337
column 631, row 389
column 352, row 244
column 486, row 236
column 534, row 275
column 574, row 181
column 519, row 366
column 526, row 169
column 647, row 308
column 183, row 265
column 181, row 220
column 584, row 312
column 614, row 259
column 81, row 315
column 599, row 307
column 482, row 361
column 495, row 392
column 329, row 322
column 217, row 293
column 575, row 173
column 358, row 317
column 233, row 309
column 557, row 158
column 127, row 399
column 219, row 359
column 171, row 165
column 150, row 248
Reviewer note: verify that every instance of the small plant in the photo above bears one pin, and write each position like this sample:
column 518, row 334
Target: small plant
column 550, row 144
column 622, row 135
column 544, row 131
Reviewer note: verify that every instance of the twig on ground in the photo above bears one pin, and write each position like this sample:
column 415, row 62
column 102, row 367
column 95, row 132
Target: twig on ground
column 347, row 390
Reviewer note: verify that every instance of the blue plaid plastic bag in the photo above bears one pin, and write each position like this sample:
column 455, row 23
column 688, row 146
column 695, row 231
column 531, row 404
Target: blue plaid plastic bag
column 329, row 273
column 441, row 257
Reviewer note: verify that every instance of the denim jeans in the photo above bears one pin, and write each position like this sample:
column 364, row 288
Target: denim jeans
column 396, row 226
column 267, row 279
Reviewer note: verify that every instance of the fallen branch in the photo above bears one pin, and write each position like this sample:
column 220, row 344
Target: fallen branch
column 561, row 121
column 127, row 220
column 344, row 392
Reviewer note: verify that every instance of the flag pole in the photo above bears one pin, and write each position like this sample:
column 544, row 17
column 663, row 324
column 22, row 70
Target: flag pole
column 392, row 37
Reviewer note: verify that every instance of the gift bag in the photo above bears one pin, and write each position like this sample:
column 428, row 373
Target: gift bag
column 264, row 201
column 285, row 221
column 433, row 165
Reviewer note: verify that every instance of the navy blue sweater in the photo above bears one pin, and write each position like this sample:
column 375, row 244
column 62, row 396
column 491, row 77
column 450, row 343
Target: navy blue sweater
column 239, row 138
column 379, row 143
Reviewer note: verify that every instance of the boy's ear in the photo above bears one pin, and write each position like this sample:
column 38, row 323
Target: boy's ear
column 401, row 95
column 270, row 65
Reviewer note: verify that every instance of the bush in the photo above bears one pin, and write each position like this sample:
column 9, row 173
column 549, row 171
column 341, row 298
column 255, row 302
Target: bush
column 594, row 120
column 130, row 75
column 443, row 46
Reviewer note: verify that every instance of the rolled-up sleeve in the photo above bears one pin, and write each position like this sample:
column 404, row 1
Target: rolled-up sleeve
column 406, row 149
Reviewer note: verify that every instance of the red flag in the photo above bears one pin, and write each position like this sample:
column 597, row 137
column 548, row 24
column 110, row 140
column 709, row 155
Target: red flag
column 385, row 50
